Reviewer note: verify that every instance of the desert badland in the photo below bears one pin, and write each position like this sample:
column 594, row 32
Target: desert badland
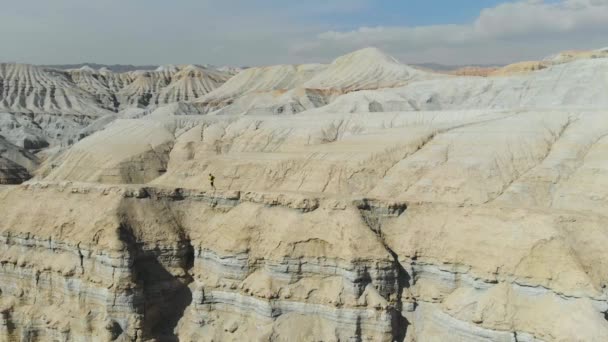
column 359, row 200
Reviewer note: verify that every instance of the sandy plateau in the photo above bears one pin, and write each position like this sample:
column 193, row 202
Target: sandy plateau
column 361, row 200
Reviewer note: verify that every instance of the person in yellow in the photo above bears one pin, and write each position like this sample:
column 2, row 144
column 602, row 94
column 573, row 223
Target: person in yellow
column 212, row 180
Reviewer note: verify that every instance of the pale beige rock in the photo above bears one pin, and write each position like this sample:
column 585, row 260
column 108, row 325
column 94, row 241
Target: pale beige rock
column 289, row 89
column 520, row 68
column 434, row 208
column 128, row 151
column 51, row 92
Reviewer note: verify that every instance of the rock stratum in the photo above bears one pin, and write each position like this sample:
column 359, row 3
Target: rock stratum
column 362, row 200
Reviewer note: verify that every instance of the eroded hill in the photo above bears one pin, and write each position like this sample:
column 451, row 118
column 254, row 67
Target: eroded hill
column 361, row 200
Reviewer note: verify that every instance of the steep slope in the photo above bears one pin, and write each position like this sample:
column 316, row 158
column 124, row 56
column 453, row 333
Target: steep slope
column 578, row 84
column 30, row 89
column 144, row 88
column 364, row 69
column 191, row 82
column 281, row 276
column 11, row 172
column 169, row 84
column 94, row 83
column 277, row 102
column 258, row 80
column 461, row 209
column 23, row 131
column 327, row 258
column 127, row 151
column 16, row 164
column 18, row 155
column 292, row 89
column 116, row 81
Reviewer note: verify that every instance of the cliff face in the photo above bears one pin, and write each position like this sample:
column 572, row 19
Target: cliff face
column 159, row 264
column 127, row 263
column 475, row 212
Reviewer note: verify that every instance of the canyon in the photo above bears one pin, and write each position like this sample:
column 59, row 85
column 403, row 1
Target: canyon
column 360, row 200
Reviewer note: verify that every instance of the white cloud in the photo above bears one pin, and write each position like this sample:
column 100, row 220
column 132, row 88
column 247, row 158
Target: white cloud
column 535, row 17
column 507, row 32
column 246, row 32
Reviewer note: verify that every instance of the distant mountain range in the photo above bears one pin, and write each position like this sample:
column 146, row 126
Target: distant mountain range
column 130, row 67
column 114, row 67
column 445, row 67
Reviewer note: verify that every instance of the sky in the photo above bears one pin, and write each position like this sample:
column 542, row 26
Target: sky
column 264, row 32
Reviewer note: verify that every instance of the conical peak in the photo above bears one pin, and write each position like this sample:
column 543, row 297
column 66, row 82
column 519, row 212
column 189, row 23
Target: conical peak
column 369, row 54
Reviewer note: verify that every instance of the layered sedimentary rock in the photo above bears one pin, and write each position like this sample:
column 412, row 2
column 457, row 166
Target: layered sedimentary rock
column 254, row 81
column 12, row 173
column 30, row 89
column 16, row 164
column 42, row 107
column 464, row 211
column 156, row 263
column 145, row 85
column 288, row 89
column 128, row 151
column 27, row 131
column 206, row 265
column 364, row 69
column 579, row 84
column 18, row 155
column 95, row 83
column 190, row 83
column 434, row 208
column 170, row 84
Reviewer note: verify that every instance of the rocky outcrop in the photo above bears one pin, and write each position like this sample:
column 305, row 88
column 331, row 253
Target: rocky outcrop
column 451, row 209
column 15, row 163
column 30, row 89
column 576, row 85
column 144, row 87
column 56, row 108
column 520, row 68
column 290, row 89
column 190, row 83
column 18, row 155
column 258, row 81
column 128, row 151
column 156, row 264
column 96, row 83
column 12, row 173
column 169, row 85
column 169, row 264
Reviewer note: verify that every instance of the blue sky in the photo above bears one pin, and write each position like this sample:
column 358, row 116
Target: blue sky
column 259, row 32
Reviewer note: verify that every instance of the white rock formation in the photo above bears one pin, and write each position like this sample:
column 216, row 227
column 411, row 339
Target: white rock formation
column 191, row 82
column 30, row 89
column 54, row 108
column 145, row 86
column 259, row 80
column 292, row 89
column 580, row 84
column 127, row 151
column 364, row 69
column 389, row 205
column 569, row 56
column 95, row 83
